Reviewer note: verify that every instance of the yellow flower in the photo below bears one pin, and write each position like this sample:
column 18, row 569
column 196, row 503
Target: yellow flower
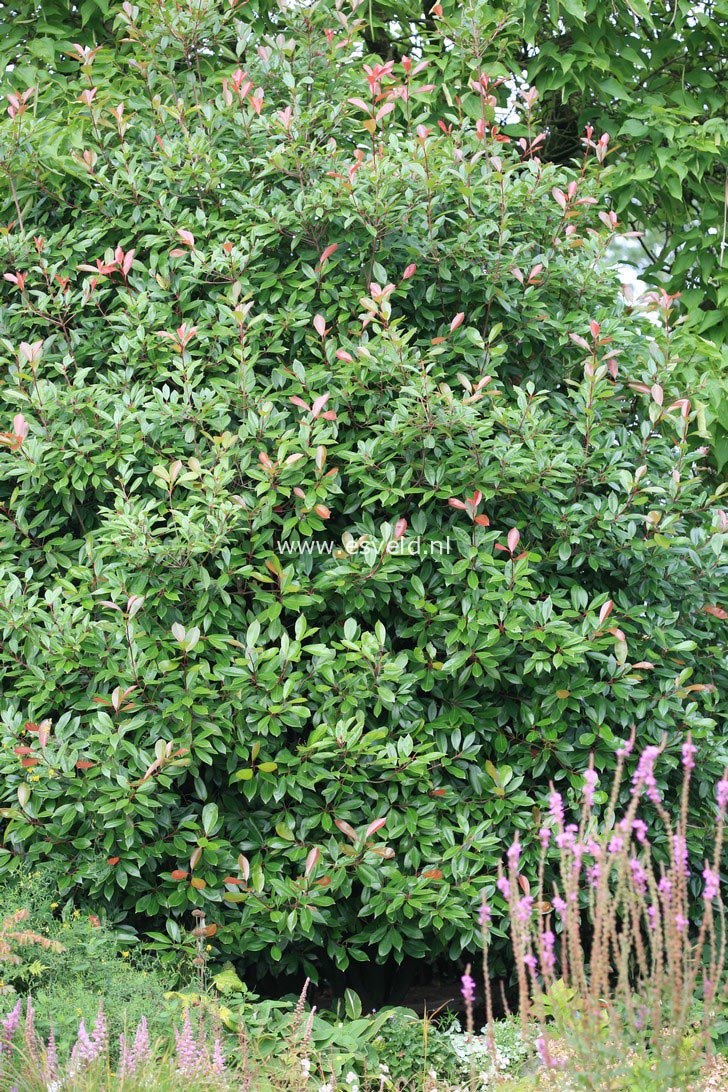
column 124, row 955
column 51, row 773
column 77, row 913
column 208, row 947
column 34, row 777
column 54, row 905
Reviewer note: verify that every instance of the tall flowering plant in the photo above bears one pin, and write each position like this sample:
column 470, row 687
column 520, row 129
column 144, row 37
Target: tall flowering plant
column 27, row 1061
column 609, row 961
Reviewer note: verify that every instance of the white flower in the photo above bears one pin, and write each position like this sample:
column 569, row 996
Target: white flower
column 328, row 1087
column 383, row 1069
column 351, row 1078
column 306, row 1065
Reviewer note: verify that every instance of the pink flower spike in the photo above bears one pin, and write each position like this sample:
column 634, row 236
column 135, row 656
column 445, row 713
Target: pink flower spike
column 591, row 780
column 689, row 750
column 52, row 1056
column 722, row 795
column 556, row 807
column 712, row 884
column 218, row 1057
column 9, row 1025
column 186, row 1048
column 468, row 988
column 524, row 909
column 558, row 904
column 548, row 957
column 625, row 749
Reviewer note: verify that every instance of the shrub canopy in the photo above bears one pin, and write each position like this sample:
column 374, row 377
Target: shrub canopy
column 257, row 315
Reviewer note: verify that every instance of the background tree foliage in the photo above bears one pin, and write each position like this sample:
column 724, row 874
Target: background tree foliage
column 652, row 75
column 344, row 499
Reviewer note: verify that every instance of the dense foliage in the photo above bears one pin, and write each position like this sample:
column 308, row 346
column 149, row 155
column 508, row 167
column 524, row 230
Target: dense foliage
column 653, row 76
column 344, row 500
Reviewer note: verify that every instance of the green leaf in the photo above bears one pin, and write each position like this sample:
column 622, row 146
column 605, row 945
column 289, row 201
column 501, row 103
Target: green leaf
column 210, row 814
column 352, row 1004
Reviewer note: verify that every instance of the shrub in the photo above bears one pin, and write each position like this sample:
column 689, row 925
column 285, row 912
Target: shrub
column 343, row 499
